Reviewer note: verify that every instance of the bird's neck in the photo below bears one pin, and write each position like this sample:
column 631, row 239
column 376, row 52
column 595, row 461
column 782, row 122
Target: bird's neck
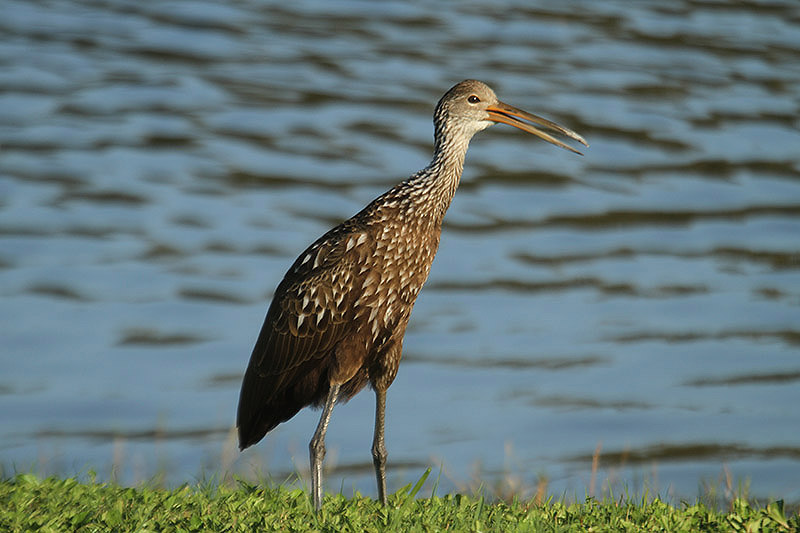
column 440, row 179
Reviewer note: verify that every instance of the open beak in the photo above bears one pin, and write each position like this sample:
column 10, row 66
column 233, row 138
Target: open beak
column 512, row 116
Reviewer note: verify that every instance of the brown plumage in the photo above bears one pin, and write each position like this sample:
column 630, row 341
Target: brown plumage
column 337, row 319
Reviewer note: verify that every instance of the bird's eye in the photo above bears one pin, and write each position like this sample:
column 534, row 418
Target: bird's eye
column 473, row 99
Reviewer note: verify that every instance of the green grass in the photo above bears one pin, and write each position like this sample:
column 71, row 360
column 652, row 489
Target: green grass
column 28, row 503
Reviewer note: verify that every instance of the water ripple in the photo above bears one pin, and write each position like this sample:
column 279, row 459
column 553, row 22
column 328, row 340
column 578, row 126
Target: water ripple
column 163, row 163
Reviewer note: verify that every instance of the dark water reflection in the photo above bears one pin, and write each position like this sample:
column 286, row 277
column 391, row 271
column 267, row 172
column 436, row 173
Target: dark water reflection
column 161, row 164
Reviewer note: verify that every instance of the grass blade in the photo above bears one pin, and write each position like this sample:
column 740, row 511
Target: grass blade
column 413, row 492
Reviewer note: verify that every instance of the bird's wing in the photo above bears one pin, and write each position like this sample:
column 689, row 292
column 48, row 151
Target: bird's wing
column 315, row 304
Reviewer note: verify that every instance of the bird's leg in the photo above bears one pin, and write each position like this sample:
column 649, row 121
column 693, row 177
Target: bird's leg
column 316, row 447
column 378, row 446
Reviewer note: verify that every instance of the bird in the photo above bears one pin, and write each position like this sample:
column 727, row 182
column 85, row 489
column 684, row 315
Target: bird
column 337, row 319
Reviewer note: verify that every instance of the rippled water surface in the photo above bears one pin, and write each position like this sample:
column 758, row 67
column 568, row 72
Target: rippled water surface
column 162, row 164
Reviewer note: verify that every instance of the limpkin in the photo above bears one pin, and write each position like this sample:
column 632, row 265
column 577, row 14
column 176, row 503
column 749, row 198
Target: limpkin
column 338, row 318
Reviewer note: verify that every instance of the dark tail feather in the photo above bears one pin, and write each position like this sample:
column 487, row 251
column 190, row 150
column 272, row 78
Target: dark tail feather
column 258, row 413
column 256, row 427
column 266, row 401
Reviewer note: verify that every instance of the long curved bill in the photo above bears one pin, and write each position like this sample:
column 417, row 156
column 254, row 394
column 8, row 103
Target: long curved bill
column 512, row 116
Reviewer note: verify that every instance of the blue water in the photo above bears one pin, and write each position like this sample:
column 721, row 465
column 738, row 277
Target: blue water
column 162, row 164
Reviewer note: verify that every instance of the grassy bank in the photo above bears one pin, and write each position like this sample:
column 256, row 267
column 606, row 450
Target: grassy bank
column 28, row 503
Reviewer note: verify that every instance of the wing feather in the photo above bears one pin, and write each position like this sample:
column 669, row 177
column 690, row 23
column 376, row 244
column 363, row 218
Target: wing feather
column 312, row 311
column 313, row 305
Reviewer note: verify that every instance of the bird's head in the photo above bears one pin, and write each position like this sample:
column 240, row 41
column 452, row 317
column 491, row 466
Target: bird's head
column 471, row 106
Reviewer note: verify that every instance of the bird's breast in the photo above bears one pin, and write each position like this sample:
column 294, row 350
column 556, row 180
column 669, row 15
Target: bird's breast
column 400, row 263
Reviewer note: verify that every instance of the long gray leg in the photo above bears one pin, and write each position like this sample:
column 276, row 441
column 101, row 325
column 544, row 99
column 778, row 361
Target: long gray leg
column 316, row 447
column 378, row 445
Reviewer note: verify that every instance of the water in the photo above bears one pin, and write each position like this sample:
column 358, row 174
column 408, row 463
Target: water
column 162, row 164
